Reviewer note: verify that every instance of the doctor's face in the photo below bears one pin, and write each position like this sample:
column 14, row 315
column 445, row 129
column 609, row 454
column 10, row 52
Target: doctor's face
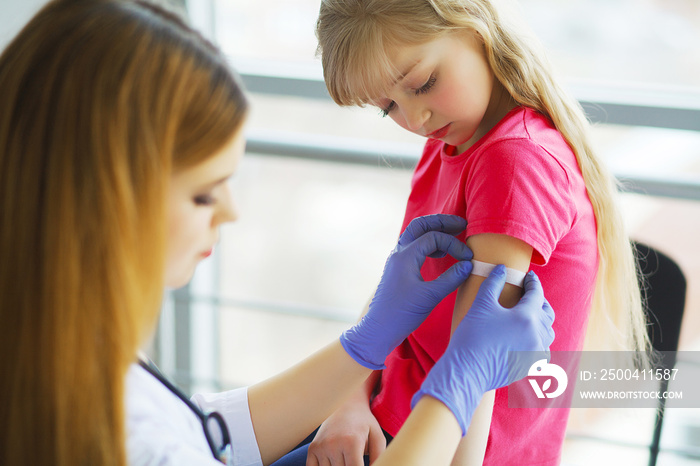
column 199, row 201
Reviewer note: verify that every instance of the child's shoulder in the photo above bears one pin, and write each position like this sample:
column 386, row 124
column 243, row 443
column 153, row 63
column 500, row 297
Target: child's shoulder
column 525, row 123
column 526, row 131
column 526, row 144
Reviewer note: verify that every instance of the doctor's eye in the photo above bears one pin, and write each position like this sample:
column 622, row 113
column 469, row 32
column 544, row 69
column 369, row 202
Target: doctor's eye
column 204, row 200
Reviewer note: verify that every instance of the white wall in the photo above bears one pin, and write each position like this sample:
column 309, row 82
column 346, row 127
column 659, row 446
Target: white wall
column 13, row 15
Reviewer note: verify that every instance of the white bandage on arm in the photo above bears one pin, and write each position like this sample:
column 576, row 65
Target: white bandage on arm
column 513, row 276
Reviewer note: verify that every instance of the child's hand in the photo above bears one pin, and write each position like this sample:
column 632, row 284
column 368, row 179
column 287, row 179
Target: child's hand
column 403, row 299
column 346, row 436
column 477, row 358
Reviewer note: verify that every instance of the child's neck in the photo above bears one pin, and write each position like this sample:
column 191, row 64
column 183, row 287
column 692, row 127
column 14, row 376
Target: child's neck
column 500, row 104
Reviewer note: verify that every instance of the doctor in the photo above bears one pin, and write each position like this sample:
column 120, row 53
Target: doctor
column 119, row 127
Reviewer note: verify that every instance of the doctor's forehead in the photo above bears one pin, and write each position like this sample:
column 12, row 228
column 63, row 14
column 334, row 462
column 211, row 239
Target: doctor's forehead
column 218, row 167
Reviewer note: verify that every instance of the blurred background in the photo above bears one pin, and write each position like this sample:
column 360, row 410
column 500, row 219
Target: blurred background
column 322, row 191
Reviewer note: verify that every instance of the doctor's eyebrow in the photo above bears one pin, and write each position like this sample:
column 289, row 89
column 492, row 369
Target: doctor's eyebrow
column 218, row 182
column 223, row 179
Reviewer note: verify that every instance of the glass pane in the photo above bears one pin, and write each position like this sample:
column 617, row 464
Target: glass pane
column 311, row 239
column 274, row 29
column 305, row 225
column 637, row 41
column 311, row 235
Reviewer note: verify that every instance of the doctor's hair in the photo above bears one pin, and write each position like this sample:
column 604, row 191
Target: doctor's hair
column 356, row 40
column 101, row 101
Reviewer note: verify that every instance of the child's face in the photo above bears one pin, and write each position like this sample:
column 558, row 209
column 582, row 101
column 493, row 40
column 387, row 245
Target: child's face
column 198, row 202
column 445, row 91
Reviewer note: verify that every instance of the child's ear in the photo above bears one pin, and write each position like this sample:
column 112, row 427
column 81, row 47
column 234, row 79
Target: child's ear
column 472, row 35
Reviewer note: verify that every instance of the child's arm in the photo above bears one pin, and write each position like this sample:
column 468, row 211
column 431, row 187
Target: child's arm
column 495, row 249
column 430, row 435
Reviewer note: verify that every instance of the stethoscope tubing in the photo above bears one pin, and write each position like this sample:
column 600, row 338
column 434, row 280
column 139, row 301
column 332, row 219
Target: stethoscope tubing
column 201, row 415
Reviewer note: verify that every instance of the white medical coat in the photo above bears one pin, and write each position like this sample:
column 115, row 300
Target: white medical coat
column 163, row 431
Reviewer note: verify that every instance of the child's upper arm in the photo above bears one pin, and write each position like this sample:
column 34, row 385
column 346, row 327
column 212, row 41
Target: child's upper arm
column 494, row 249
column 501, row 249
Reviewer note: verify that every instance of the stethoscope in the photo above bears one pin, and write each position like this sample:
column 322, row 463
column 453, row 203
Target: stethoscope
column 223, row 451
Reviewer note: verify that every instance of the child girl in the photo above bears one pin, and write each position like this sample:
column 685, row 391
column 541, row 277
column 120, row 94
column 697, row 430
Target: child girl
column 509, row 151
column 119, row 127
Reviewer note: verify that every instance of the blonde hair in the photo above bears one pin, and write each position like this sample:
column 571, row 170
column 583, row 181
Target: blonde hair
column 355, row 40
column 101, row 100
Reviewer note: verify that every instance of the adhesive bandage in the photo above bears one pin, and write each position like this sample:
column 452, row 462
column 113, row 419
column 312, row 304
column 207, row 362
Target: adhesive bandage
column 483, row 269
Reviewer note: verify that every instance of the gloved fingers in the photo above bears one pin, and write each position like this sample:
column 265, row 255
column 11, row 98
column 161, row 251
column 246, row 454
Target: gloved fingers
column 544, row 329
column 435, row 242
column 451, row 224
column 490, row 290
column 534, row 295
column 551, row 335
column 548, row 311
column 545, row 333
column 532, row 282
column 549, row 320
column 545, row 336
column 450, row 279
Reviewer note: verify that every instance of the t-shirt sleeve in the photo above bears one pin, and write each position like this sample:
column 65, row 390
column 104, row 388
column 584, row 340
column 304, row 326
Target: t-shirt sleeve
column 517, row 188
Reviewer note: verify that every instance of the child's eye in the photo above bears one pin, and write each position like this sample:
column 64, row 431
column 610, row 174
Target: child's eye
column 385, row 111
column 426, row 87
column 204, row 200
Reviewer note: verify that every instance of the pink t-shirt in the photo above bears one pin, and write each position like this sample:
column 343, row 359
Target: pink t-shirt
column 521, row 180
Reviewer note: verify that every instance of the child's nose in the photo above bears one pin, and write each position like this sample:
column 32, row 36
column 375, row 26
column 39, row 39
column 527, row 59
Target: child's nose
column 415, row 117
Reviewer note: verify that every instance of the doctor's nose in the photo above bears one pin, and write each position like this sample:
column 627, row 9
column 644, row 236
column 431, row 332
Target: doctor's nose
column 226, row 208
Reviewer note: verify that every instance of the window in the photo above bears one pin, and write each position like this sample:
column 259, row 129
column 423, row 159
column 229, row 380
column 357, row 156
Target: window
column 308, row 249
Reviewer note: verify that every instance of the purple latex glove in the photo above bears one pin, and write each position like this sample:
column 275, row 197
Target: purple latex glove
column 477, row 359
column 403, row 299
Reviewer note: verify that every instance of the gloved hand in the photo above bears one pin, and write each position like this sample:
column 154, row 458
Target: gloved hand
column 477, row 360
column 403, row 299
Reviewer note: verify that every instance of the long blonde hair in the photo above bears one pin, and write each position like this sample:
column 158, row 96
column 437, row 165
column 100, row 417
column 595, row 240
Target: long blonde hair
column 355, row 41
column 101, row 100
